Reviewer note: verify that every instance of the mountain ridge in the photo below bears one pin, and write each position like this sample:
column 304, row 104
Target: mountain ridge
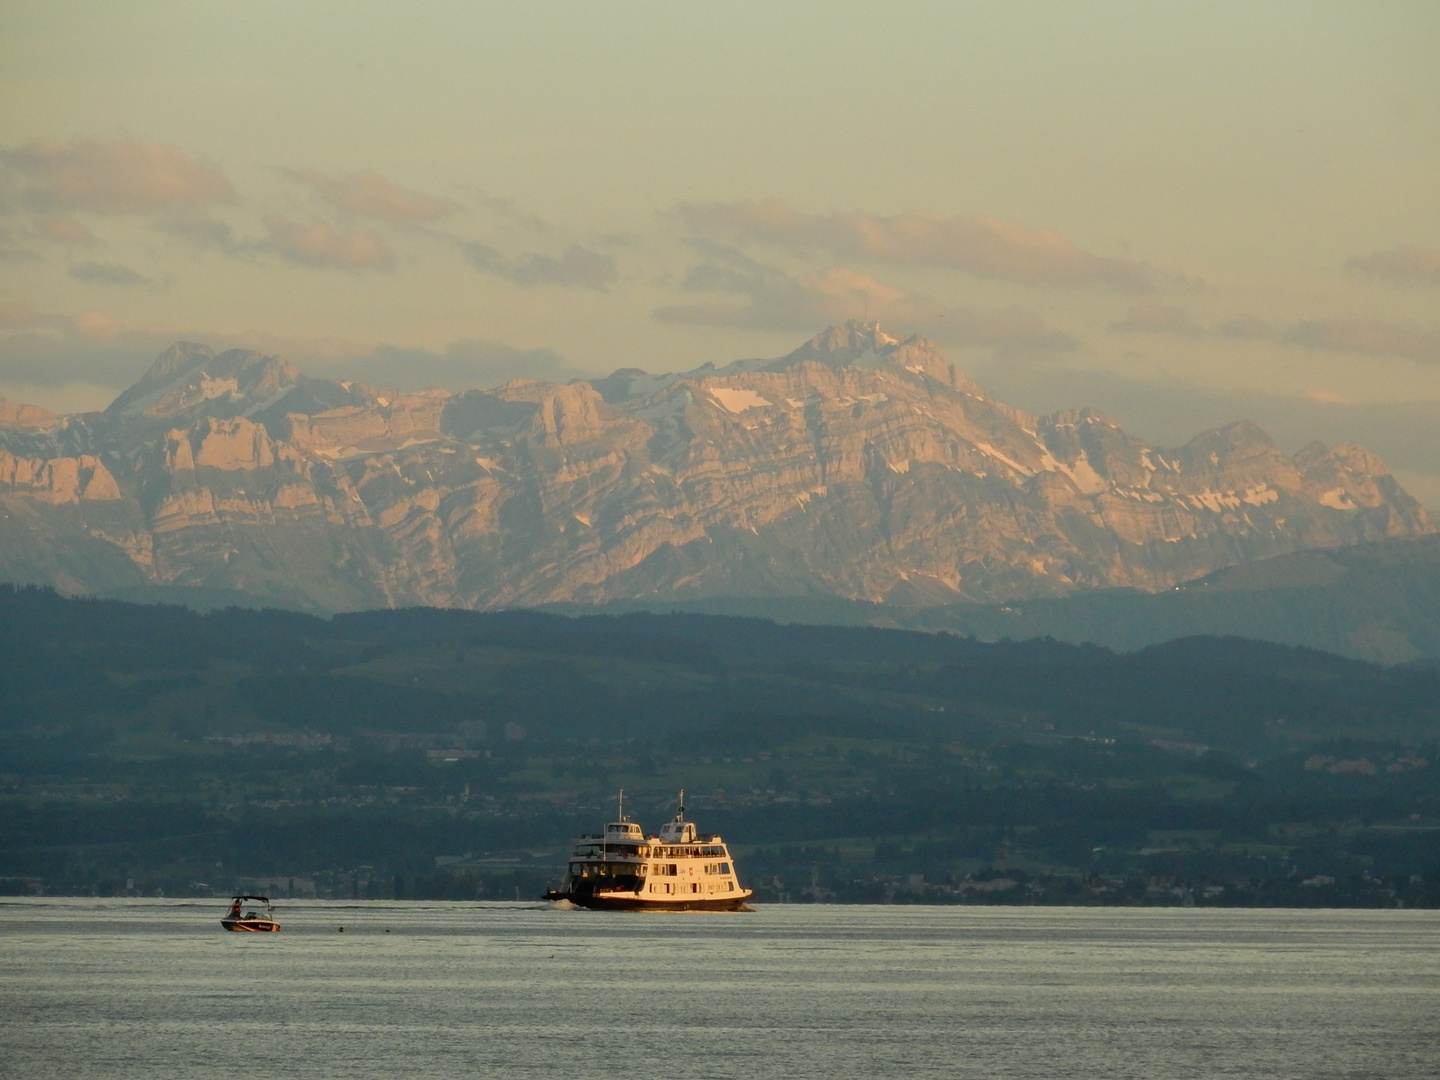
column 860, row 466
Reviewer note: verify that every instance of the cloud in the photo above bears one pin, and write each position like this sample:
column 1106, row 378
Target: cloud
column 1149, row 318
column 579, row 267
column 464, row 364
column 1361, row 336
column 1245, row 328
column 322, row 244
column 1403, row 263
column 510, row 210
column 775, row 300
column 10, row 249
column 95, row 325
column 1369, row 337
column 53, row 351
column 202, row 230
column 128, row 175
column 370, row 195
column 65, row 230
column 983, row 246
column 89, row 348
column 1009, row 330
column 14, row 314
column 95, row 273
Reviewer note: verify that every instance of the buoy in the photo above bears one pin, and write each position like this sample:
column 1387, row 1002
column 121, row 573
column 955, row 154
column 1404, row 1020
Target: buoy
column 342, row 929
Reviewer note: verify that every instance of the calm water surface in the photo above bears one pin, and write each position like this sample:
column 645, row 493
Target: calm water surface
column 154, row 988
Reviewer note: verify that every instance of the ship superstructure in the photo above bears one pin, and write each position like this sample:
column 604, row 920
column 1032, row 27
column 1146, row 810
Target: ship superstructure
column 675, row 870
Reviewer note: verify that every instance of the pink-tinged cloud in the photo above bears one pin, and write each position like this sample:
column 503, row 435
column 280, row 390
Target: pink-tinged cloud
column 322, row 244
column 65, row 230
column 983, row 246
column 115, row 176
column 1404, row 263
column 1370, row 337
column 371, row 195
column 95, row 325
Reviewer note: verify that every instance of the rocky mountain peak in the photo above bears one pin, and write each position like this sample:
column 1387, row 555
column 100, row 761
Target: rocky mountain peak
column 858, row 466
column 865, row 344
column 841, row 344
column 189, row 381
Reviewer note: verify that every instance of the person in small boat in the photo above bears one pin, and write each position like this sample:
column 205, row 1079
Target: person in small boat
column 235, row 910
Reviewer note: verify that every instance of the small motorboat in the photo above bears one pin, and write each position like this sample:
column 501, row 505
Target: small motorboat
column 244, row 916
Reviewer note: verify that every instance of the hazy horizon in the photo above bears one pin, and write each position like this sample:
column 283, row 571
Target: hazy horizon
column 1182, row 218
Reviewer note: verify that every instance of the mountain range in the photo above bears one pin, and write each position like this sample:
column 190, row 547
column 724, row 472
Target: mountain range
column 1378, row 602
column 859, row 467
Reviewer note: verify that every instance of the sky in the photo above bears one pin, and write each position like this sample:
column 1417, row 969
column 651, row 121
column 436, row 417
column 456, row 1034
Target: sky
column 1182, row 215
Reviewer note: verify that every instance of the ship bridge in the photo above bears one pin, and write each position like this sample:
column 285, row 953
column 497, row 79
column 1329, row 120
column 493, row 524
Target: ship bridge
column 678, row 832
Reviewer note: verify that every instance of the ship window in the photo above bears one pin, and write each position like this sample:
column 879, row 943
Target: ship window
column 724, row 868
column 575, row 868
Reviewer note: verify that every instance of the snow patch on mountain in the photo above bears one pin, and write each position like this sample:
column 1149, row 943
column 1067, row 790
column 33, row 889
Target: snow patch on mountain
column 736, row 400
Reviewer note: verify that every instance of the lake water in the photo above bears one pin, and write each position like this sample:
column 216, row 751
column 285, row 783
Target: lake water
column 154, row 988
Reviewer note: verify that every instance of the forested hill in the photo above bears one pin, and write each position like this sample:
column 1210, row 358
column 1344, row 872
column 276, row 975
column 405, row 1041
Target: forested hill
column 119, row 672
column 396, row 738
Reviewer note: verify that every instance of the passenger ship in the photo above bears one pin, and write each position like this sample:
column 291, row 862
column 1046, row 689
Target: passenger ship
column 679, row 870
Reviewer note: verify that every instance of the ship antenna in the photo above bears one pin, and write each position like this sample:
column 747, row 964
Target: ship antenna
column 622, row 804
column 681, row 815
